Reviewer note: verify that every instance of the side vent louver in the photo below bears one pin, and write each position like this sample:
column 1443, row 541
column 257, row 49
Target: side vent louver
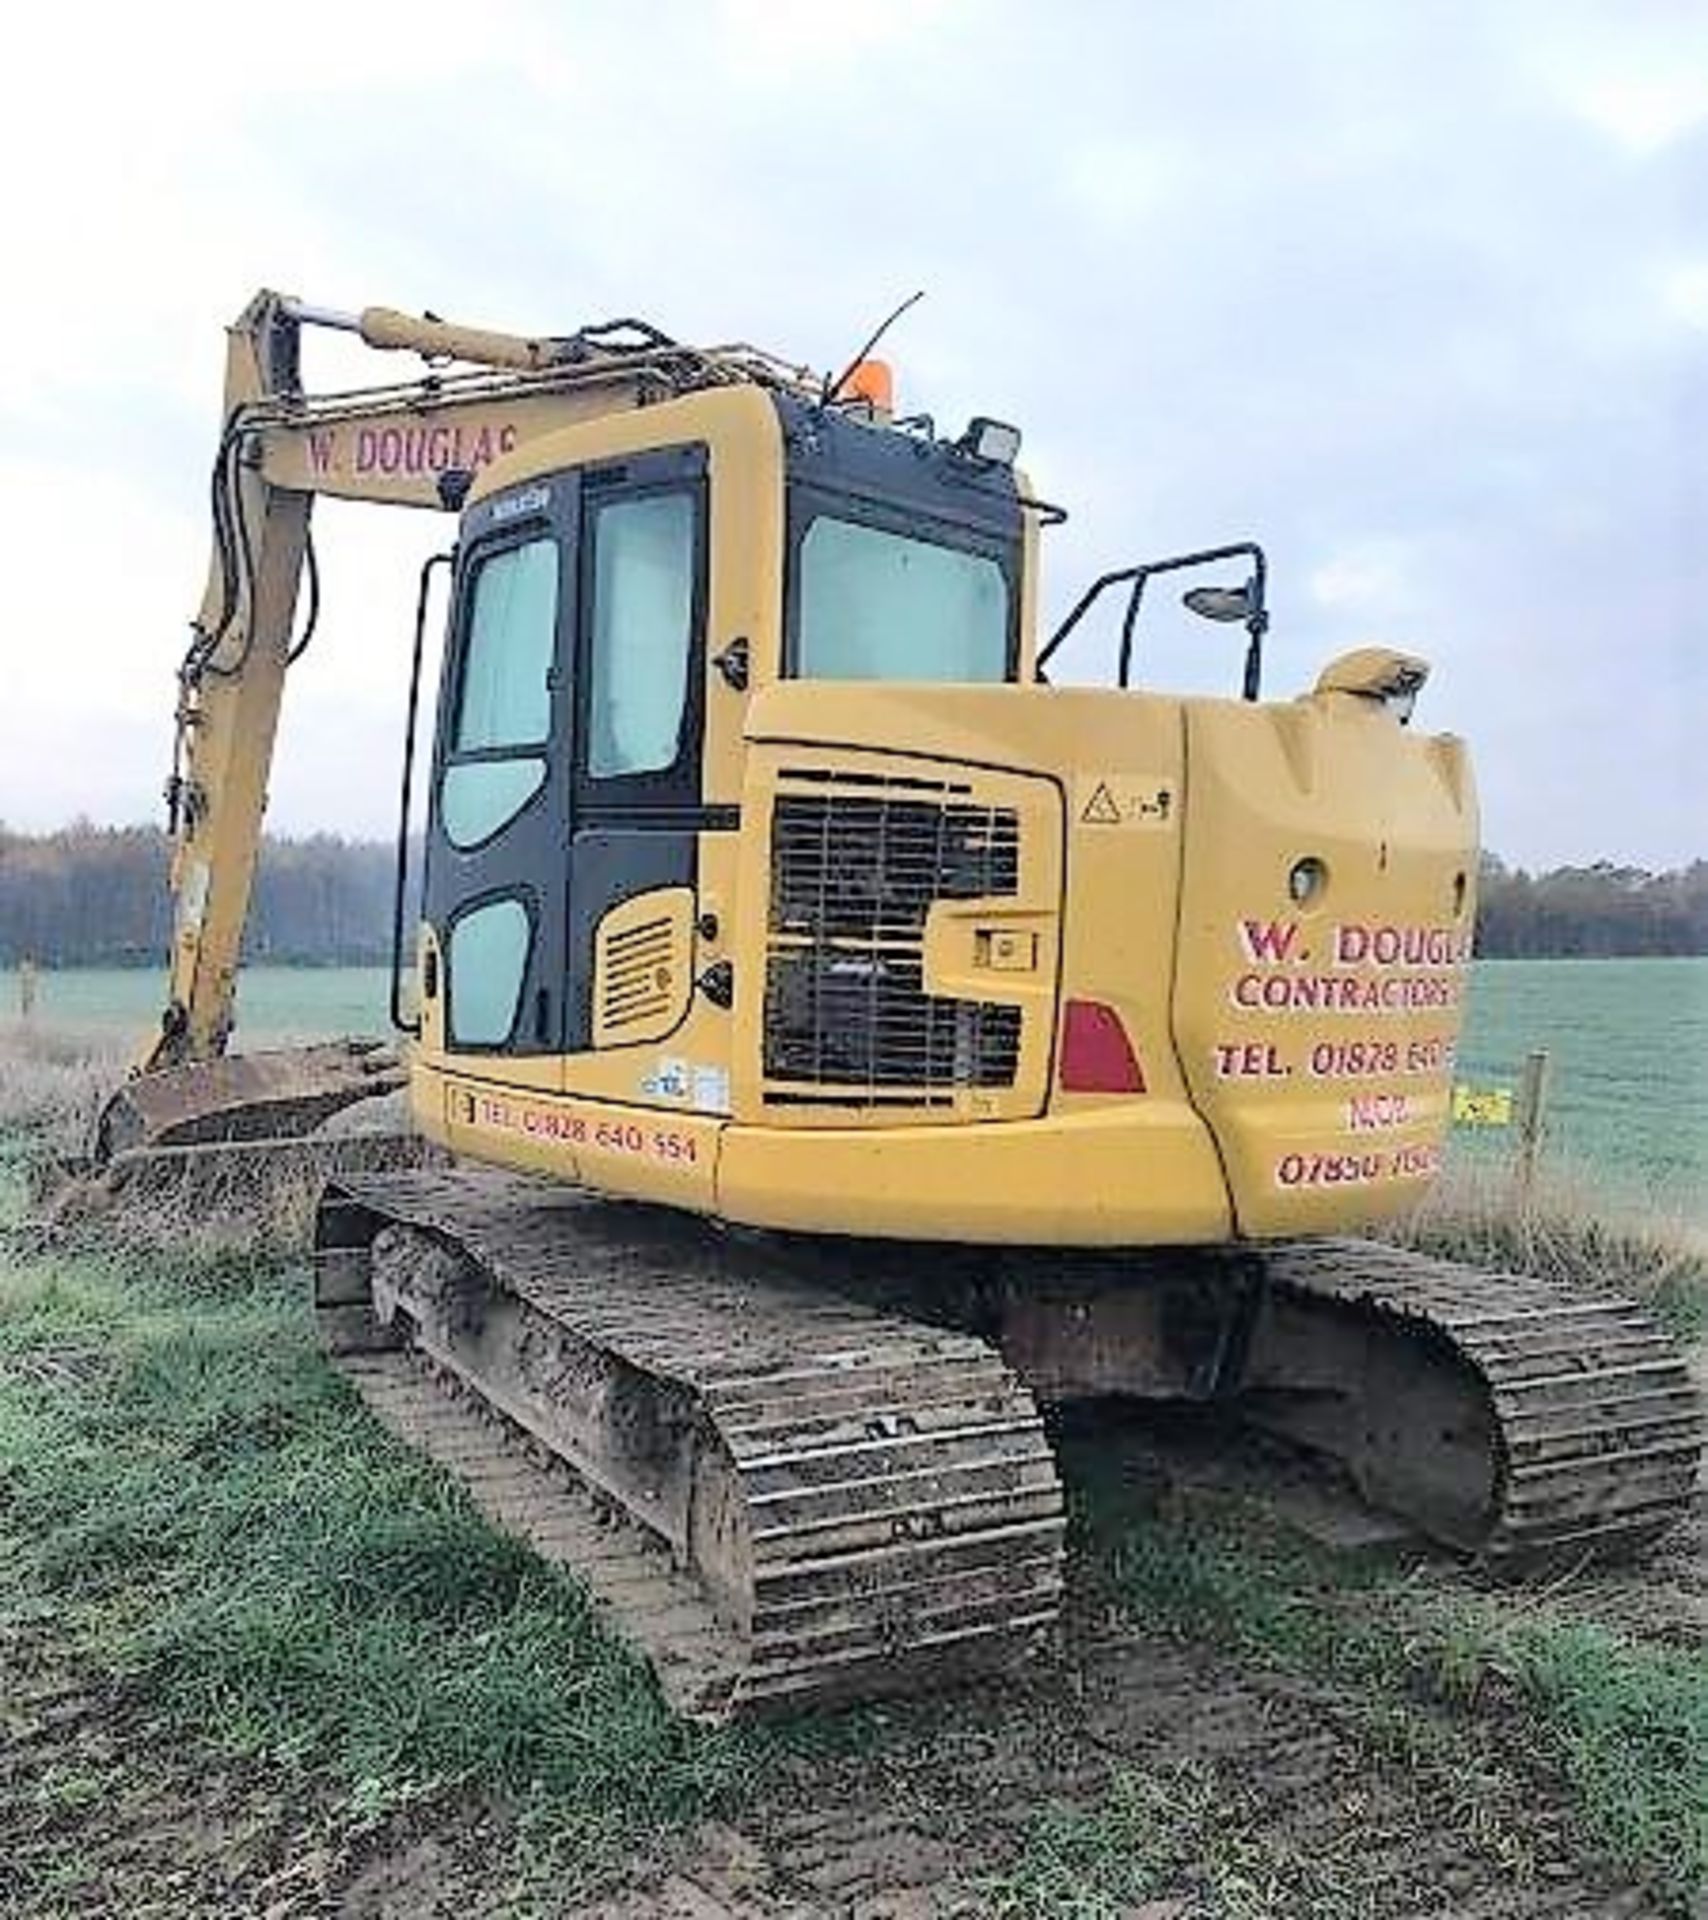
column 637, row 975
column 643, row 968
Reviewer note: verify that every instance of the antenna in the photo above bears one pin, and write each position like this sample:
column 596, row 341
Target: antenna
column 833, row 387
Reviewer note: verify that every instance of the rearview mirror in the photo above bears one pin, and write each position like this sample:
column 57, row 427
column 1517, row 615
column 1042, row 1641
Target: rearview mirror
column 1219, row 603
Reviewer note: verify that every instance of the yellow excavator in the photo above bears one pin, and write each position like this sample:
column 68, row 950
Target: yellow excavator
column 975, row 1044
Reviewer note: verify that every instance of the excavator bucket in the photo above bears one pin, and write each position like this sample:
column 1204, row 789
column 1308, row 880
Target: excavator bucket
column 248, row 1136
column 245, row 1096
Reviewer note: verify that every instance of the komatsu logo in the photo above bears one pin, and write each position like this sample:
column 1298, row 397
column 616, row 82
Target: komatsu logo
column 513, row 506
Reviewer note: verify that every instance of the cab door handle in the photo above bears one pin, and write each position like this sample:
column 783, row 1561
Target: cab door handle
column 734, row 663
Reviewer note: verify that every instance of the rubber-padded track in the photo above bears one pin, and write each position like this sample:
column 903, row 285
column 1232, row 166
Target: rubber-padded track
column 899, row 1495
column 1597, row 1421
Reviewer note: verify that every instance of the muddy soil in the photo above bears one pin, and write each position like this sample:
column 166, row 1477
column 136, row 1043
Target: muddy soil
column 1265, row 1793
column 940, row 1828
column 1291, row 1797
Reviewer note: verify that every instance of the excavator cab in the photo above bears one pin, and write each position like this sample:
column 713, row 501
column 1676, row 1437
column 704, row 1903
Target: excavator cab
column 626, row 592
column 767, row 877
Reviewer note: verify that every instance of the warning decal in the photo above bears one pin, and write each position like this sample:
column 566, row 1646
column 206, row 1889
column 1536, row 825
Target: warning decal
column 1122, row 800
column 1100, row 810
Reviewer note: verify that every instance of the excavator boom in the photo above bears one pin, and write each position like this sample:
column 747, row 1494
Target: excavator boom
column 414, row 444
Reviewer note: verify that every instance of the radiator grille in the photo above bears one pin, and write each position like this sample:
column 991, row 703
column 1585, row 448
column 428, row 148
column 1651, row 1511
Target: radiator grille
column 638, row 976
column 853, row 877
column 852, row 867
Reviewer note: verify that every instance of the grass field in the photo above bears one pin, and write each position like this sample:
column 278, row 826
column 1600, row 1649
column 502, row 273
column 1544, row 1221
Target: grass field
column 259, row 1661
column 1628, row 1040
column 276, row 1003
column 262, row 1662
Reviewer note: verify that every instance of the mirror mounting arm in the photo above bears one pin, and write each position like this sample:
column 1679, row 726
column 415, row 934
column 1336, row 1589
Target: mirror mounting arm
column 1256, row 626
column 1246, row 603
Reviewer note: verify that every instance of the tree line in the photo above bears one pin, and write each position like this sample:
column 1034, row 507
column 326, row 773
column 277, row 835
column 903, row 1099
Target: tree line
column 89, row 896
column 1595, row 912
column 97, row 897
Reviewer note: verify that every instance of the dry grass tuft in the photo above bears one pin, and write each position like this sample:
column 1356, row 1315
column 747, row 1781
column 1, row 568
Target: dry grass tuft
column 256, row 1197
column 53, row 1081
column 1570, row 1229
column 199, row 1205
column 260, row 1196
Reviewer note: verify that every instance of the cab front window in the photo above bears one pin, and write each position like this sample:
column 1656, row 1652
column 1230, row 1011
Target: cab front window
column 877, row 604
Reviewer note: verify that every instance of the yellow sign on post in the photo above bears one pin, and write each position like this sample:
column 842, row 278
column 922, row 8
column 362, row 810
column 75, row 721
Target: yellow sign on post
column 1482, row 1106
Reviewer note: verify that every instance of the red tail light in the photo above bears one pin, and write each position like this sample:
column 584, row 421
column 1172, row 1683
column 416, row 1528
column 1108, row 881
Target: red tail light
column 1097, row 1056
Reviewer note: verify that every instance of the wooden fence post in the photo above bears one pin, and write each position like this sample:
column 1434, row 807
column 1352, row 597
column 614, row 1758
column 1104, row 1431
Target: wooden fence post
column 1532, row 1119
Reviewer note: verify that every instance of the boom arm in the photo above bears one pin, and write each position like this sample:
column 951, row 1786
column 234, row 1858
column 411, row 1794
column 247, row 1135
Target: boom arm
column 409, row 444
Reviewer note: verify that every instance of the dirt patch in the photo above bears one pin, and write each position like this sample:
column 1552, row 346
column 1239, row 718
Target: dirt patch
column 942, row 1808
column 943, row 1818
column 418, row 1877
column 99, row 1817
column 1133, row 1773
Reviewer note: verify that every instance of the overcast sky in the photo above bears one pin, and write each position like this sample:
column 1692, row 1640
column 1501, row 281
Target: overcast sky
column 1414, row 291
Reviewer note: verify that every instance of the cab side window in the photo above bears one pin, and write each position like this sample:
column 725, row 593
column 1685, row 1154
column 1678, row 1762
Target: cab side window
column 641, row 632
column 503, row 711
column 505, row 697
column 487, row 961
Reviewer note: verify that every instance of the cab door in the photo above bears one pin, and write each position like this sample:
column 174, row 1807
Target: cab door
column 635, row 791
column 564, row 833
column 497, row 854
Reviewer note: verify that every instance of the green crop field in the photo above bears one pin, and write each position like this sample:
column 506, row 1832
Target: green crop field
column 276, row 1003
column 1627, row 1039
column 1628, row 1047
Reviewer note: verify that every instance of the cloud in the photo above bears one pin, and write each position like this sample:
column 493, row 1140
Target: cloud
column 1645, row 112
column 1120, row 184
column 1636, row 71
column 1410, row 294
column 1684, row 293
column 767, row 43
column 1370, row 582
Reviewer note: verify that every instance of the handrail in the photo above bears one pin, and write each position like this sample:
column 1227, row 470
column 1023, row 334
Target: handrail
column 1256, row 620
column 409, row 1024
